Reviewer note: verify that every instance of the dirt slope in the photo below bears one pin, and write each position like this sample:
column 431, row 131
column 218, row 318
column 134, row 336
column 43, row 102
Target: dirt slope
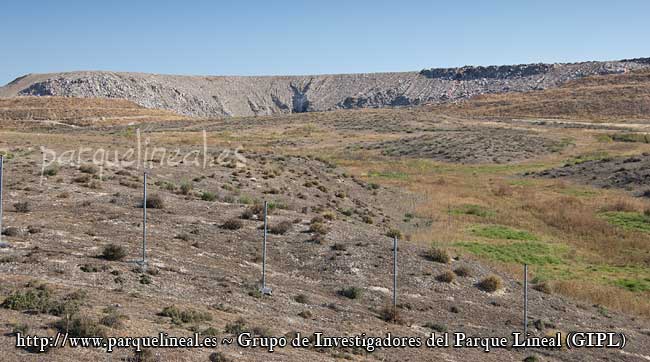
column 244, row 96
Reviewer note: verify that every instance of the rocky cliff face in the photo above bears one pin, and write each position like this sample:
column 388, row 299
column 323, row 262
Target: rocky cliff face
column 244, row 96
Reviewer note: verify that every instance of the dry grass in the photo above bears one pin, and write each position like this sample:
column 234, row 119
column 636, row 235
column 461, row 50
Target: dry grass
column 608, row 97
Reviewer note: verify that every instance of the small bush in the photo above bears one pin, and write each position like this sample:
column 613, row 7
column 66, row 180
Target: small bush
column 113, row 320
column 232, row 224
column 186, row 187
column 305, row 314
column 208, row 196
column 490, row 284
column 351, row 292
column 237, row 327
column 52, row 170
column 113, row 252
column 543, row 287
column 23, row 207
column 38, row 299
column 180, row 316
column 89, row 169
column 281, row 228
column 394, row 233
column 390, row 314
column 211, row 332
column 339, row 247
column 367, row 219
column 318, row 228
column 219, row 357
column 80, row 327
column 437, row 255
column 436, row 327
column 463, row 271
column 301, row 298
column 446, row 277
column 155, row 202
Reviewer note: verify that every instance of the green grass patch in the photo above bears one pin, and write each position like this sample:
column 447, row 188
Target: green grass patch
column 531, row 253
column 578, row 192
column 592, row 156
column 634, row 285
column 471, row 209
column 628, row 220
column 630, row 137
column 502, row 232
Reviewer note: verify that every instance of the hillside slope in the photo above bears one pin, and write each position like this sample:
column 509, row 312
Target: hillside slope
column 210, row 96
column 620, row 96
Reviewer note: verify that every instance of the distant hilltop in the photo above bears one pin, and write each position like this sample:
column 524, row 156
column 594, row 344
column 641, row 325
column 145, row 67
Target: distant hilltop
column 219, row 96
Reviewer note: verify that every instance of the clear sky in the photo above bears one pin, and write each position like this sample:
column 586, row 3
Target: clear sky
column 309, row 37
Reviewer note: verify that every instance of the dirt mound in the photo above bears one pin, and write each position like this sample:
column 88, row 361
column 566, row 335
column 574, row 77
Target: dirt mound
column 470, row 145
column 629, row 173
column 245, row 96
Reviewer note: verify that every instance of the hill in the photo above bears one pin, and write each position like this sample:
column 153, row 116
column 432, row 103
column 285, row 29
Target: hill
column 210, row 96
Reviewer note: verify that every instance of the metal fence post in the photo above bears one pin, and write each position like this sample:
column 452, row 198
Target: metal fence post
column 265, row 290
column 525, row 301
column 2, row 161
column 394, row 277
column 144, row 223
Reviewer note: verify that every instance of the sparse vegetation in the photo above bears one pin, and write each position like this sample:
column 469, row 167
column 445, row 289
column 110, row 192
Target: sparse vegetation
column 437, row 255
column 180, row 316
column 490, row 284
column 446, row 277
column 23, row 207
column 281, row 228
column 351, row 292
column 232, row 224
column 113, row 252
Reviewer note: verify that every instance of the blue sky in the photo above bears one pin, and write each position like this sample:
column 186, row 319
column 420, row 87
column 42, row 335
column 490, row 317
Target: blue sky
column 310, row 37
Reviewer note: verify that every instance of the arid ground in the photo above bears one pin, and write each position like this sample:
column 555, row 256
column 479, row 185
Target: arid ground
column 556, row 179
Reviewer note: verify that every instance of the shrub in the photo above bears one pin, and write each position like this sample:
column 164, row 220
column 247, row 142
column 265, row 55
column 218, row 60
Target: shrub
column 38, row 299
column 394, row 233
column 543, row 287
column 11, row 231
column 80, row 327
column 367, row 219
column 218, row 357
column 22, row 207
column 436, row 327
column 339, row 247
column 237, row 327
column 490, row 284
column 113, row 252
column 186, row 187
column 211, row 332
column 351, row 292
column 438, row 255
column 390, row 314
column 318, row 228
column 463, row 271
column 52, row 170
column 155, row 202
column 446, row 277
column 281, row 228
column 301, row 298
column 89, row 168
column 329, row 215
column 208, row 196
column 232, row 224
column 113, row 320
column 145, row 279
column 305, row 314
column 180, row 316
